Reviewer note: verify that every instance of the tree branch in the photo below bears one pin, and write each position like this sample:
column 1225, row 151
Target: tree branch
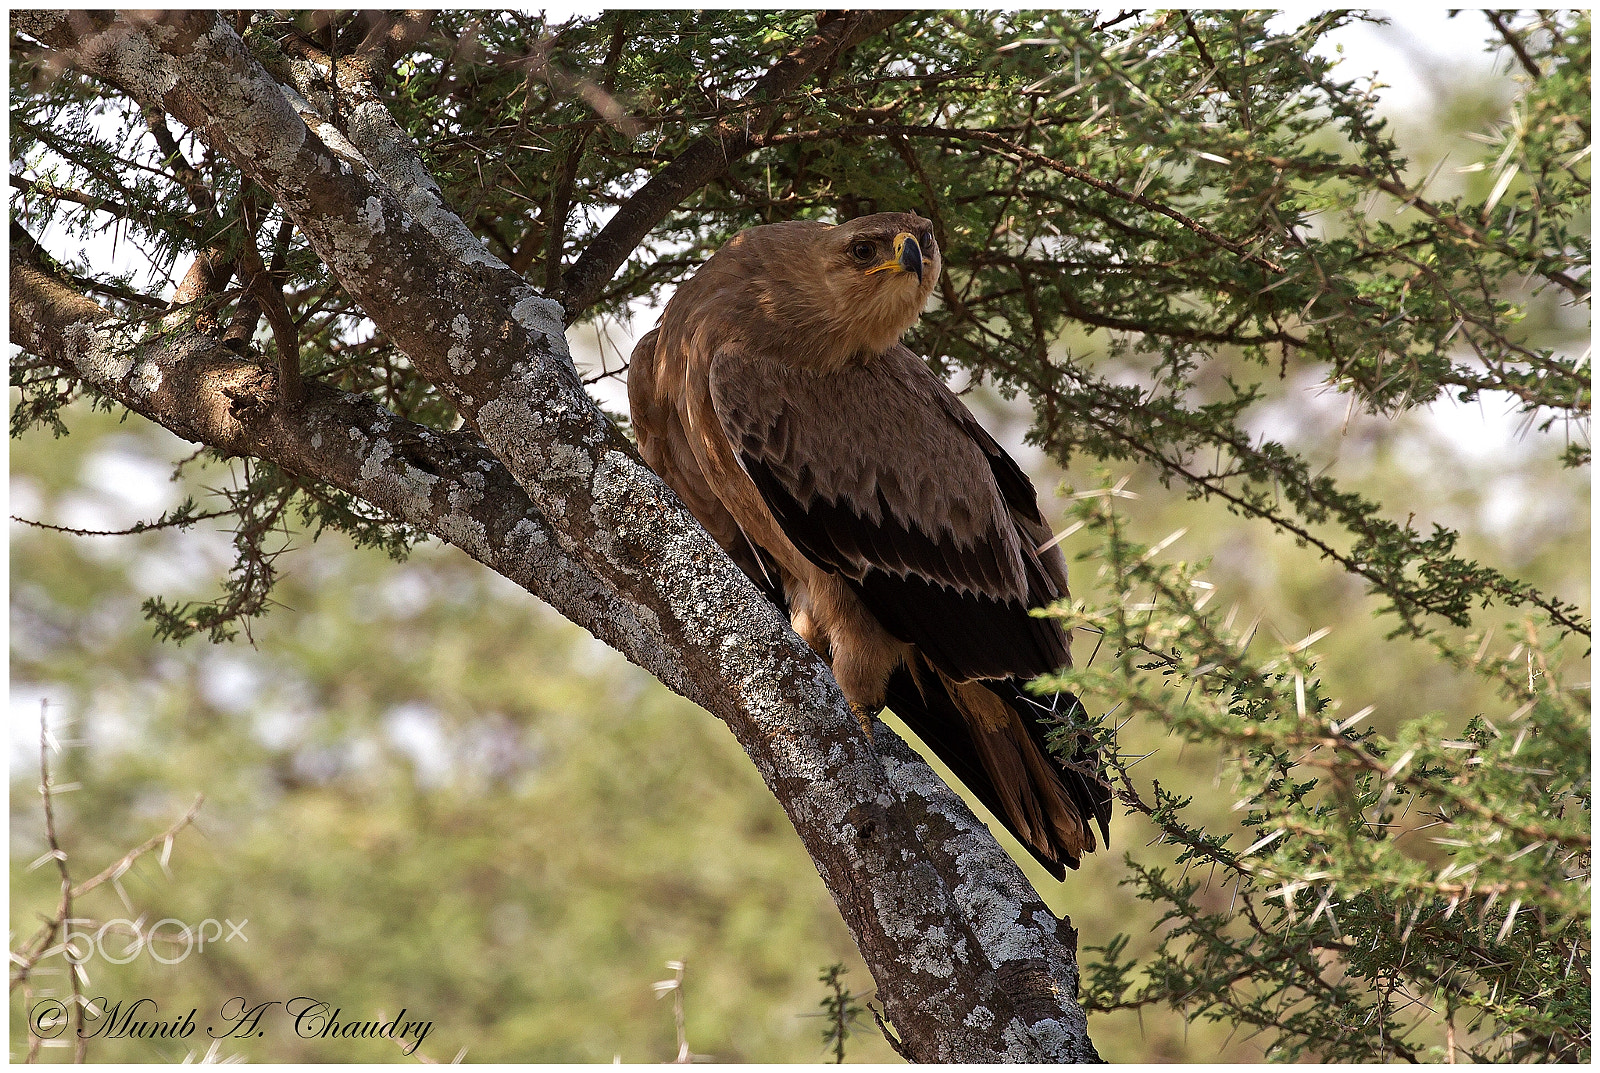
column 269, row 296
column 1022, row 153
column 1510, row 37
column 211, row 269
column 1415, row 200
column 78, row 197
column 712, row 154
column 201, row 390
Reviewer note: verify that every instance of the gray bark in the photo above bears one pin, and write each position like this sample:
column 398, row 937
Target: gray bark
column 970, row 964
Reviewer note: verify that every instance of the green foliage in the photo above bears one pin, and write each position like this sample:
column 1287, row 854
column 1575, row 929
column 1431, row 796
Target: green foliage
column 1244, row 200
column 261, row 501
column 841, row 1010
column 1392, row 884
column 1159, row 228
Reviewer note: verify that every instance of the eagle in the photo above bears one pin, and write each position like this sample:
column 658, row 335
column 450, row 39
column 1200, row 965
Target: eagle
column 857, row 491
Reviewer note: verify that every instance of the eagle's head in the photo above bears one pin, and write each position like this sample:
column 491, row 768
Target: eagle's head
column 826, row 295
column 880, row 270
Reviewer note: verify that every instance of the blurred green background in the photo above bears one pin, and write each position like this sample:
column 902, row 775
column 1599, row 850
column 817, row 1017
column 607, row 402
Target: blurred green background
column 424, row 790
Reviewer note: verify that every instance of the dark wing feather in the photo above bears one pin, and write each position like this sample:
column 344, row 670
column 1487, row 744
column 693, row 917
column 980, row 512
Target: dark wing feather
column 911, row 586
column 877, row 472
column 931, row 715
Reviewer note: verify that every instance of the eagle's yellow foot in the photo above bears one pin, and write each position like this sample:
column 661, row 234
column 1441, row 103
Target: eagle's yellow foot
column 864, row 714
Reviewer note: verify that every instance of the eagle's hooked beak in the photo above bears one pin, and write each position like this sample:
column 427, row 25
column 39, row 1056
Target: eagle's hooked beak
column 907, row 256
column 908, row 253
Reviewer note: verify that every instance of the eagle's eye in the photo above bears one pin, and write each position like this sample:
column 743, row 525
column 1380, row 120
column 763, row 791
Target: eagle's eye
column 925, row 240
column 863, row 251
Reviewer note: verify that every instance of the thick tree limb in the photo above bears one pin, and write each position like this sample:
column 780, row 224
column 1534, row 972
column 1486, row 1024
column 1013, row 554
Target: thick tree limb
column 448, row 485
column 970, row 964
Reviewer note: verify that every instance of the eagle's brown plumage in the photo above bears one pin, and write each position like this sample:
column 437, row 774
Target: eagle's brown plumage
column 776, row 398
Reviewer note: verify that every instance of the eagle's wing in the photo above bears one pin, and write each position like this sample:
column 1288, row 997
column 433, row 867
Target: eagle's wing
column 878, row 473
column 665, row 448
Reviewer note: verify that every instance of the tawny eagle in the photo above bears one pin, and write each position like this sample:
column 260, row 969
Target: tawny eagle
column 846, row 480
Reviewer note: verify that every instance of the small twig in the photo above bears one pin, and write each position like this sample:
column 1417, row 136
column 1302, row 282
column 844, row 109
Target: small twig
column 597, row 377
column 126, row 860
column 64, row 910
column 77, row 197
column 1122, row 17
column 1199, row 44
column 140, row 527
column 888, row 1034
column 1523, row 58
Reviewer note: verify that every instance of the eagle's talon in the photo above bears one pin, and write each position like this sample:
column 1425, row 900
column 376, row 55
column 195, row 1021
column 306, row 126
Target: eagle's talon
column 864, row 714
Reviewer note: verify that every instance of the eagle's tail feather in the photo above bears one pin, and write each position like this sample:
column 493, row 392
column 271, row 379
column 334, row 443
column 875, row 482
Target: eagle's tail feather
column 1084, row 776
column 991, row 734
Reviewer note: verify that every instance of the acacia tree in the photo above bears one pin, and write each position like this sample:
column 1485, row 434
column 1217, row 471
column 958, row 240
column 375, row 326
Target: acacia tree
column 378, row 228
